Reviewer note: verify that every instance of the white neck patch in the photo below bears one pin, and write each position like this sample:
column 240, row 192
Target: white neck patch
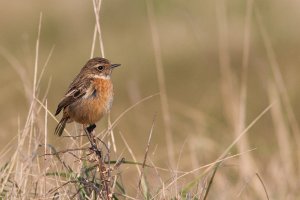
column 102, row 76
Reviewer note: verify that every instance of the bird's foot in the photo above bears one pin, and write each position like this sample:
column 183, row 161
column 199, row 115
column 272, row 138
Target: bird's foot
column 91, row 128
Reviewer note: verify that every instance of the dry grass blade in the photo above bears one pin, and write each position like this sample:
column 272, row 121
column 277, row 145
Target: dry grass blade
column 44, row 66
column 52, row 116
column 262, row 183
column 45, row 148
column 19, row 69
column 142, row 179
column 37, row 57
column 207, row 167
column 112, row 125
column 245, row 131
column 278, row 75
column 228, row 80
column 97, row 8
column 211, row 180
column 25, row 139
column 222, row 157
column 131, row 107
column 131, row 152
column 95, row 28
column 284, row 139
column 247, row 161
column 280, row 86
column 161, row 81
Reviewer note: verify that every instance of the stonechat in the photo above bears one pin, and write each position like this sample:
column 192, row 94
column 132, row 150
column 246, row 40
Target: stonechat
column 89, row 96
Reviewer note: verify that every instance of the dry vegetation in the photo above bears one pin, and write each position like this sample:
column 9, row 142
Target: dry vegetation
column 240, row 141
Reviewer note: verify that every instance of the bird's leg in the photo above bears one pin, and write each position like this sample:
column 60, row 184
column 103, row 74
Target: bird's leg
column 91, row 137
column 91, row 128
column 89, row 133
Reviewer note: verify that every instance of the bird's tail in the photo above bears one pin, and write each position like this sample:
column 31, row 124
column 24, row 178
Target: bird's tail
column 61, row 126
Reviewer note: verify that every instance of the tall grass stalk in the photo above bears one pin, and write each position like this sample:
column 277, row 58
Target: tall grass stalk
column 161, row 82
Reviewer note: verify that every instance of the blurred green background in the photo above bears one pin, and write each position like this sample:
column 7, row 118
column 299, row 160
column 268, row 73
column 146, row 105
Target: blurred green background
column 189, row 39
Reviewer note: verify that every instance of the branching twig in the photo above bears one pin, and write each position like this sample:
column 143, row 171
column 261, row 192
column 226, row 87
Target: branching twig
column 104, row 171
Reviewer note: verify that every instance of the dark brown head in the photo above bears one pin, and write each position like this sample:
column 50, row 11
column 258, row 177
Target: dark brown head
column 99, row 68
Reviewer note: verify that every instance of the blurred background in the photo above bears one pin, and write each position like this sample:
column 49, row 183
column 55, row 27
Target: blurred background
column 224, row 62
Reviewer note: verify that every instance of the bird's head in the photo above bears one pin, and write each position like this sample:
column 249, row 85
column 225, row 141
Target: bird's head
column 99, row 68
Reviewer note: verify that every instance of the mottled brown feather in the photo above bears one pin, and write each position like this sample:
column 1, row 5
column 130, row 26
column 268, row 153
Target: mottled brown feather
column 89, row 96
column 77, row 89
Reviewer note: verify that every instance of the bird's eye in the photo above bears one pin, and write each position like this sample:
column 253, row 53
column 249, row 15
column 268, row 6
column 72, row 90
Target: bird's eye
column 100, row 68
column 76, row 94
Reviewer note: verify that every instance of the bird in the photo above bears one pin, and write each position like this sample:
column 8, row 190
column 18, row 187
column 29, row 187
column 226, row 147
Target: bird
column 89, row 96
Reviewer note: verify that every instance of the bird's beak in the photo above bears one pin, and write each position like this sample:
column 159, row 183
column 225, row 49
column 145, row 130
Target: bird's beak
column 114, row 65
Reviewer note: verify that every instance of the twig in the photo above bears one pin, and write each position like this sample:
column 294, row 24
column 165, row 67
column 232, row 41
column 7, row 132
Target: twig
column 104, row 172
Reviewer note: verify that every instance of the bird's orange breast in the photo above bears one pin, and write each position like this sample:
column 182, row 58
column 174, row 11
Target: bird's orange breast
column 104, row 93
column 95, row 104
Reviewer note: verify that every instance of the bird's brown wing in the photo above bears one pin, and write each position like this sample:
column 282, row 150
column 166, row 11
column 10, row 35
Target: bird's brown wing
column 77, row 89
